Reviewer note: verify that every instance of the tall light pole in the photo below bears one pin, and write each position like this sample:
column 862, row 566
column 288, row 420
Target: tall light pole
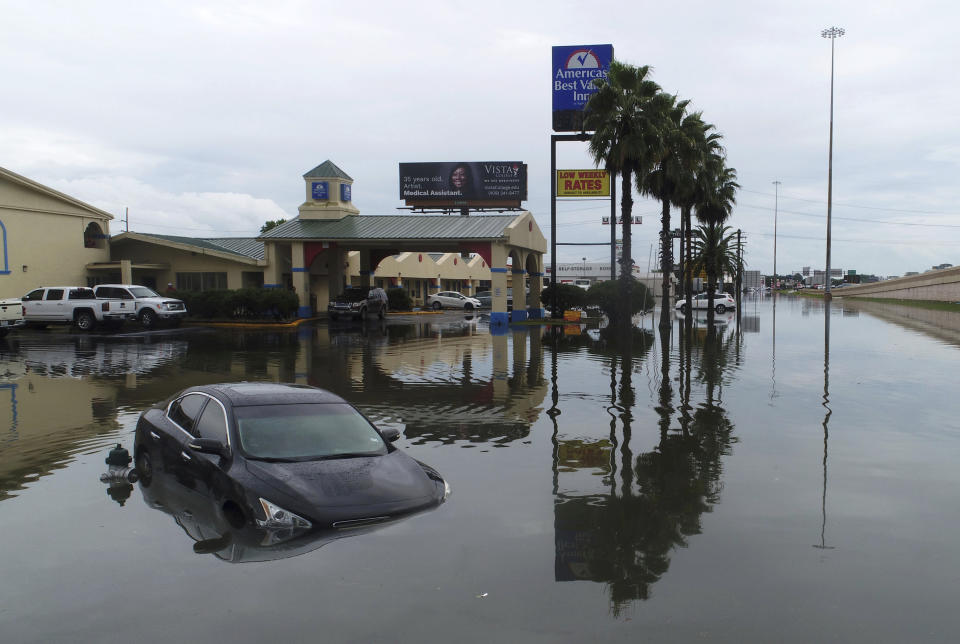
column 832, row 33
column 776, row 196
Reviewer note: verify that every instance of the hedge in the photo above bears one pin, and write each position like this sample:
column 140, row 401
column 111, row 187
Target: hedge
column 242, row 304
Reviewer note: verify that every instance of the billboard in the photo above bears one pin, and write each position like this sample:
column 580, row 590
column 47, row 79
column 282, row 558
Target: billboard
column 573, row 72
column 583, row 183
column 476, row 183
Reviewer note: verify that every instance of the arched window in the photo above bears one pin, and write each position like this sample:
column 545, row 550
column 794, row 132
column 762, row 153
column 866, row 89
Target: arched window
column 93, row 236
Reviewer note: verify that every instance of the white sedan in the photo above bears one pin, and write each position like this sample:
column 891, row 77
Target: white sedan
column 721, row 302
column 452, row 300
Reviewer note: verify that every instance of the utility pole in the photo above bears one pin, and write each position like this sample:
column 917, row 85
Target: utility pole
column 776, row 196
column 739, row 270
column 832, row 33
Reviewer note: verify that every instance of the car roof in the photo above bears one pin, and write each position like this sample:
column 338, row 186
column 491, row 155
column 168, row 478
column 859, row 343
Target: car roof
column 246, row 394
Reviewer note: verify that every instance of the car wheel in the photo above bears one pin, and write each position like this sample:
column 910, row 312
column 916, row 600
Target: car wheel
column 682, row 308
column 720, row 308
column 144, row 467
column 383, row 312
column 468, row 306
column 437, row 306
column 148, row 319
column 85, row 321
column 363, row 313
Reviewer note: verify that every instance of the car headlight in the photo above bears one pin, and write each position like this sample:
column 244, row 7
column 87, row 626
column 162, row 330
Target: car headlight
column 446, row 489
column 277, row 517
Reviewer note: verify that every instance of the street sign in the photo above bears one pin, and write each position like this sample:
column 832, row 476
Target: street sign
column 636, row 219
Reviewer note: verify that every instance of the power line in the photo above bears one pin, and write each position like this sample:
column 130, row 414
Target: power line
column 850, row 205
column 862, row 220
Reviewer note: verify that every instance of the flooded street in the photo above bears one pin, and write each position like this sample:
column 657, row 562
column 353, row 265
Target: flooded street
column 789, row 477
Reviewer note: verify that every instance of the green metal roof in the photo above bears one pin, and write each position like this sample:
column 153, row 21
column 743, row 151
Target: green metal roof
column 327, row 170
column 397, row 227
column 242, row 246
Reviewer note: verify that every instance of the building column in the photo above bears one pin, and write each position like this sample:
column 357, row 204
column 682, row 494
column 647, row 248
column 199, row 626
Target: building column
column 535, row 307
column 126, row 271
column 498, row 286
column 366, row 272
column 519, row 294
column 272, row 273
column 301, row 283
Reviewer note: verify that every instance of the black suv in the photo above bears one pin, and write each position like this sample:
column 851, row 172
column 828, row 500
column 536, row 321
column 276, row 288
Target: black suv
column 358, row 303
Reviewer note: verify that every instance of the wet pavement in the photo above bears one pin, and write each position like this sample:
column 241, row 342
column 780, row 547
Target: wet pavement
column 789, row 476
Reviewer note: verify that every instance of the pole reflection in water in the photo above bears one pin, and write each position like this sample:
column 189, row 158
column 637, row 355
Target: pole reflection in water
column 826, row 419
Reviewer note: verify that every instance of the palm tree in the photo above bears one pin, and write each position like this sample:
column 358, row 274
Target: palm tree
column 694, row 192
column 625, row 118
column 672, row 176
column 718, row 199
column 715, row 253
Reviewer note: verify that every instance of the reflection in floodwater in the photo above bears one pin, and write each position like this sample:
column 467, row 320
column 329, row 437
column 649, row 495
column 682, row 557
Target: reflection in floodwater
column 225, row 535
column 826, row 420
column 622, row 536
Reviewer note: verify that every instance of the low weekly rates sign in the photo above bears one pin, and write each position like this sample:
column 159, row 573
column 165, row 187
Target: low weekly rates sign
column 583, row 183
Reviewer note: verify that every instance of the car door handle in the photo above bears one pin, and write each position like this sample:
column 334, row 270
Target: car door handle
column 185, row 456
column 155, row 436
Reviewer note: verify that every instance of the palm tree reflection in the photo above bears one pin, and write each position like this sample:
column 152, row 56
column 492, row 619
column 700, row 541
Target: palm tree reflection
column 622, row 534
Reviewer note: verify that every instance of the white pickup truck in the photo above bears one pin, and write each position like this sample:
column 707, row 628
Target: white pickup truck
column 74, row 305
column 11, row 315
column 149, row 306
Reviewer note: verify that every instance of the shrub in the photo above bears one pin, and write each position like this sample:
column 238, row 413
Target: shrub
column 398, row 299
column 243, row 304
column 568, row 297
column 608, row 297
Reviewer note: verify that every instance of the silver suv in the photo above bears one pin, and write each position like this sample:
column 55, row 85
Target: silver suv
column 357, row 303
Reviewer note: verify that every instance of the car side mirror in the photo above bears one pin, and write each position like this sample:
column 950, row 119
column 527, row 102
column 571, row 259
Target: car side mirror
column 390, row 434
column 208, row 446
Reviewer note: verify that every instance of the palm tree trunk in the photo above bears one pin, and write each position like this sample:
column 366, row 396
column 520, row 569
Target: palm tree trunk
column 626, row 261
column 666, row 263
column 687, row 273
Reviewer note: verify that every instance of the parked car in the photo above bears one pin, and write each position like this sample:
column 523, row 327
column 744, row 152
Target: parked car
column 76, row 305
column 452, row 300
column 150, row 307
column 485, row 298
column 721, row 302
column 284, row 456
column 358, row 303
column 11, row 315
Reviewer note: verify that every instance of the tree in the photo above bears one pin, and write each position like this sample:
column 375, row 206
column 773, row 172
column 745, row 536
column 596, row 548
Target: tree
column 608, row 296
column 625, row 116
column 672, row 179
column 715, row 253
column 569, row 296
column 694, row 192
column 271, row 224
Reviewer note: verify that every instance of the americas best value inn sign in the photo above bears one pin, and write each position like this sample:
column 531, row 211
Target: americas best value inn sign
column 574, row 70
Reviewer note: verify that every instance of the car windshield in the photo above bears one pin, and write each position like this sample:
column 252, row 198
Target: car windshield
column 143, row 291
column 352, row 295
column 306, row 432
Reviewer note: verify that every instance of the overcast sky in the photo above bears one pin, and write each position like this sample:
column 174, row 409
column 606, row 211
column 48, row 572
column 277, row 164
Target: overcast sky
column 201, row 117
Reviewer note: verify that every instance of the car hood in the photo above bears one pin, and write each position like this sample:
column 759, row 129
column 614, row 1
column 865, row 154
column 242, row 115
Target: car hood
column 340, row 489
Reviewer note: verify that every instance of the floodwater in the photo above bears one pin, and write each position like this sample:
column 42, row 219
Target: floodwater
column 791, row 476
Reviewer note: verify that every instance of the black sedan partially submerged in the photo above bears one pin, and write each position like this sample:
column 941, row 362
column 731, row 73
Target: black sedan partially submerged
column 284, row 456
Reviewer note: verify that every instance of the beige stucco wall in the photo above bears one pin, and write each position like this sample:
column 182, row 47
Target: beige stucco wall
column 182, row 261
column 44, row 233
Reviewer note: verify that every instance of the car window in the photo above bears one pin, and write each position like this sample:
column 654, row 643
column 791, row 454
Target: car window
column 138, row 291
column 82, row 294
column 33, row 295
column 54, row 294
column 212, row 423
column 306, row 432
column 184, row 411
